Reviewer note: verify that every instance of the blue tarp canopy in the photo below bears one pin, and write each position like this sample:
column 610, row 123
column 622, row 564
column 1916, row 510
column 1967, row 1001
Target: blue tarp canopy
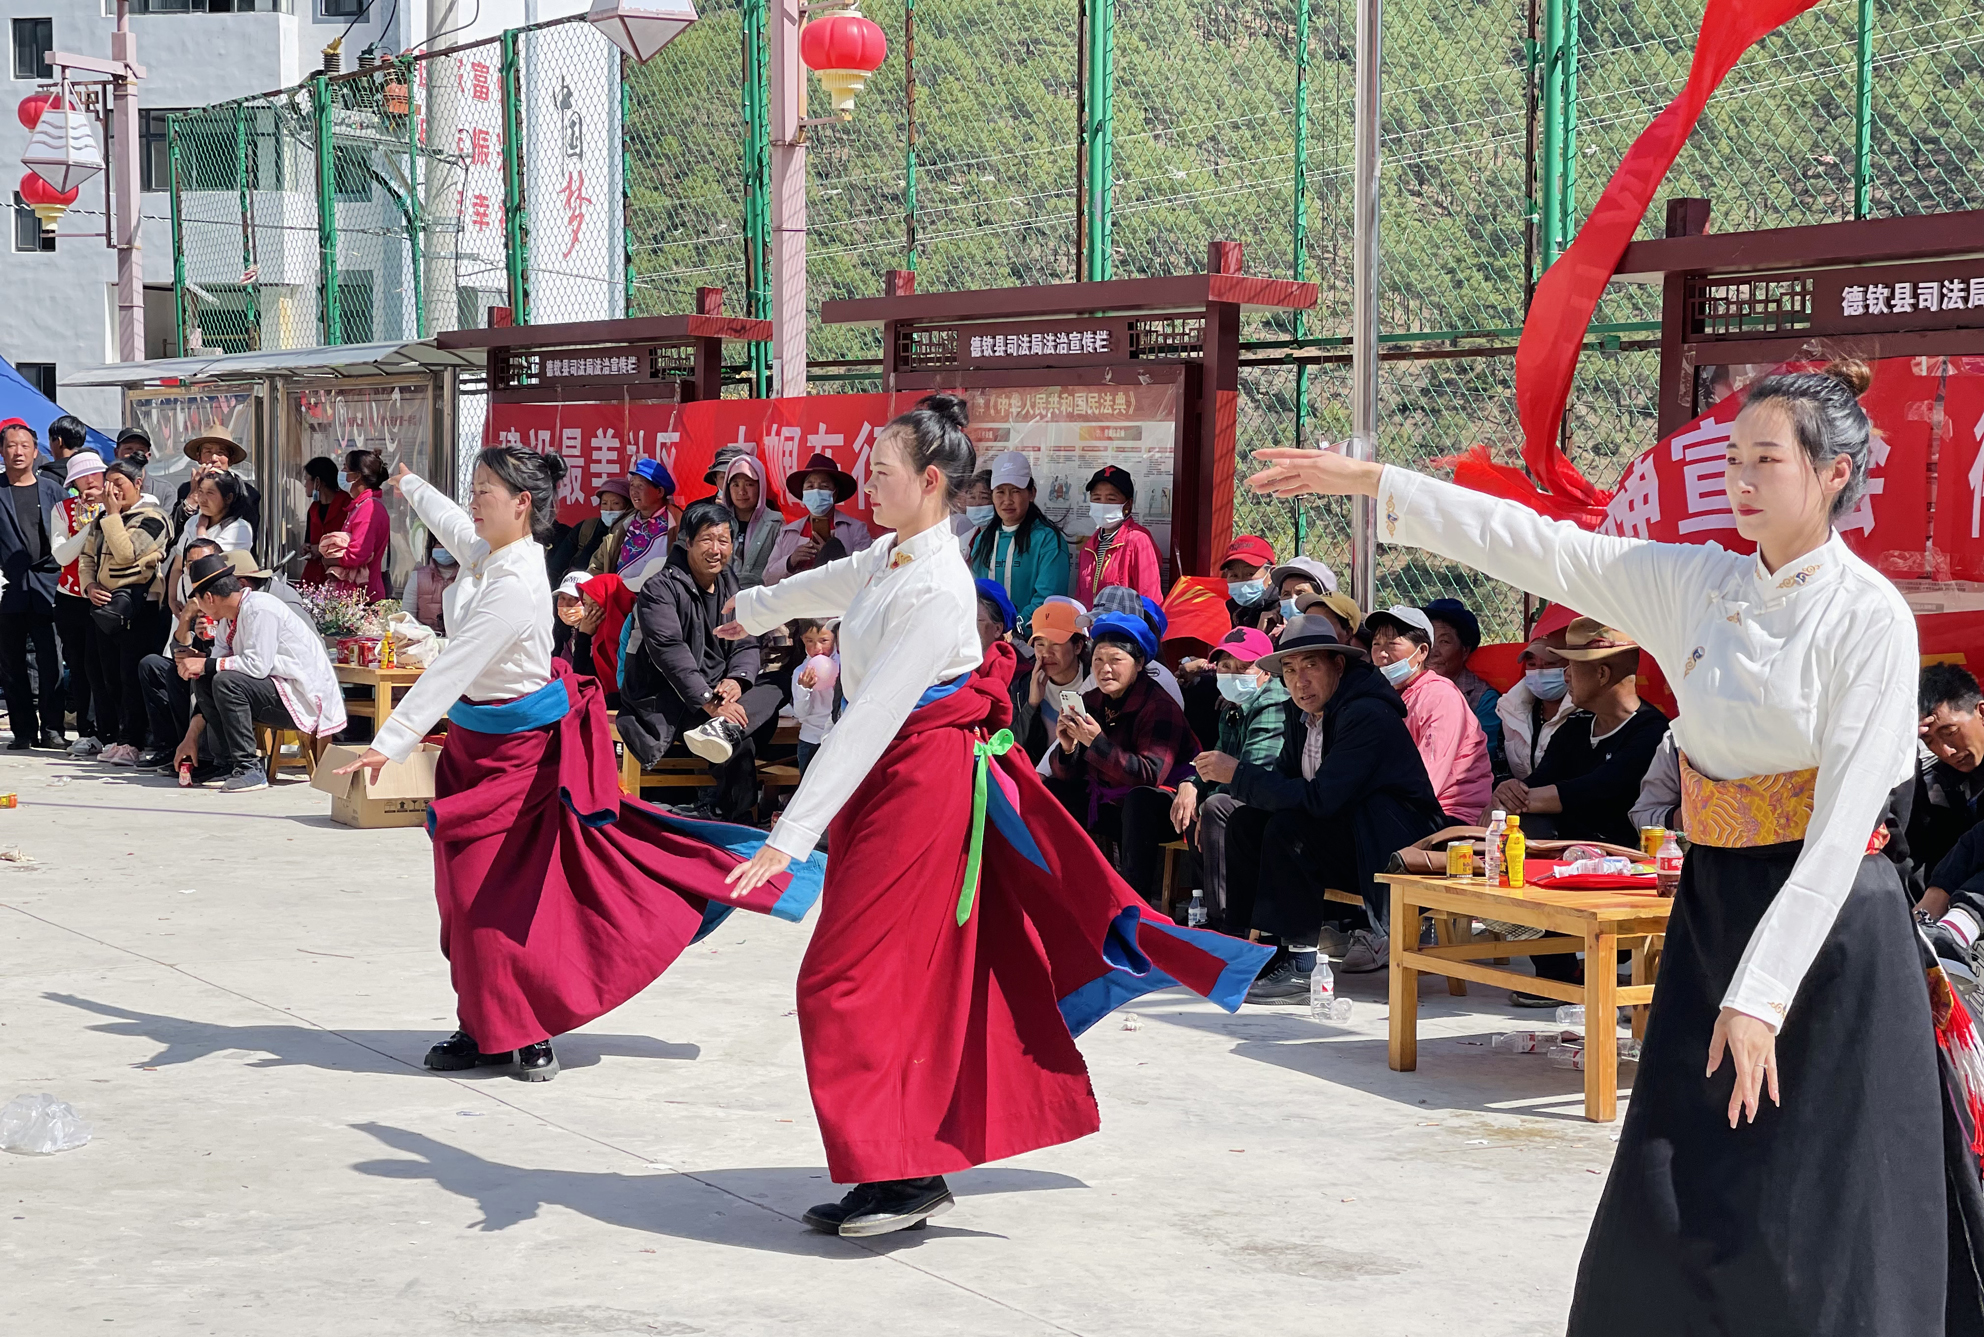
column 20, row 400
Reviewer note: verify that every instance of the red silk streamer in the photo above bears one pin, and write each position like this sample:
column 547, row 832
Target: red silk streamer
column 1560, row 313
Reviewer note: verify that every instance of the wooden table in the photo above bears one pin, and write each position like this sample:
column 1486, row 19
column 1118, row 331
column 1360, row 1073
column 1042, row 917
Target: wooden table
column 1597, row 923
column 383, row 683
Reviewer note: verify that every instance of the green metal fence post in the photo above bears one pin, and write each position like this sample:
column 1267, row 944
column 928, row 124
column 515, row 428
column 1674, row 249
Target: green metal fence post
column 1863, row 111
column 516, row 227
column 1098, row 134
column 909, row 134
column 1299, row 236
column 416, row 220
column 178, row 234
column 242, row 187
column 757, row 191
column 1552, row 153
column 1567, row 182
column 327, row 214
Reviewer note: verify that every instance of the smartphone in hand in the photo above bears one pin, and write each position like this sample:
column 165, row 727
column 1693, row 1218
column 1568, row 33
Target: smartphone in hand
column 1071, row 702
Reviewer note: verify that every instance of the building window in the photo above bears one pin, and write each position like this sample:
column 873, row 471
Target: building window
column 351, row 171
column 41, row 375
column 28, row 235
column 155, row 148
column 212, row 7
column 33, row 40
column 345, row 9
column 355, row 307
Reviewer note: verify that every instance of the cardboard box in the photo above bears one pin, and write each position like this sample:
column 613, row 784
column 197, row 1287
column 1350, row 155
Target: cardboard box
column 399, row 797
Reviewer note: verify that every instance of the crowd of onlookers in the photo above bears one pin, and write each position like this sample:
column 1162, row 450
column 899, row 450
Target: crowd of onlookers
column 1291, row 758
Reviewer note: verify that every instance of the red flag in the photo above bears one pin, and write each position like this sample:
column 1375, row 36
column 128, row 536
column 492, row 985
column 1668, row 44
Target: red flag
column 1196, row 608
column 1560, row 313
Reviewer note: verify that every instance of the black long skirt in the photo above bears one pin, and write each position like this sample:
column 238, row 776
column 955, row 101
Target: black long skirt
column 1855, row 1206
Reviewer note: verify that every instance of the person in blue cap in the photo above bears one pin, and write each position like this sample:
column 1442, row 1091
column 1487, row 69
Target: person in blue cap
column 1111, row 760
column 997, row 621
column 640, row 544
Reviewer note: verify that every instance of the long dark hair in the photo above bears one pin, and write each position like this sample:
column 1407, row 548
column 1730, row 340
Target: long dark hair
column 523, row 471
column 988, row 541
column 234, row 496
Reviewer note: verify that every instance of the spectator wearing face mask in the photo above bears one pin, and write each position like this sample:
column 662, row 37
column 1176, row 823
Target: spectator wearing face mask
column 824, row 534
column 429, row 581
column 1025, row 551
column 1448, row 737
column 576, row 545
column 324, row 515
column 1456, row 636
column 1290, row 581
column 1120, row 551
column 1246, row 568
column 974, row 512
column 1533, row 708
column 638, row 546
column 1253, row 720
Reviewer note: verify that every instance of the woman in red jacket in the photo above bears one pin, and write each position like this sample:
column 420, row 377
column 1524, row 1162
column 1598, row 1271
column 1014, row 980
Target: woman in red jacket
column 1120, row 551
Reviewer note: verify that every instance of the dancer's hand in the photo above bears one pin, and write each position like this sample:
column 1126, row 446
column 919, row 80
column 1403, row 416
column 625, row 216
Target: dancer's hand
column 1752, row 1047
column 1295, row 473
column 731, row 631
column 400, row 475
column 755, row 871
column 371, row 759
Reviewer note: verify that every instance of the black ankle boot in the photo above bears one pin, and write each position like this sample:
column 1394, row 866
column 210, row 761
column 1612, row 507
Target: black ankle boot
column 459, row 1053
column 536, row 1063
column 882, row 1207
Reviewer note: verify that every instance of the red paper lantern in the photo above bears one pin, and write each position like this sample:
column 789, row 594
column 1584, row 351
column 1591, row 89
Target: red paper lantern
column 32, row 106
column 47, row 202
column 843, row 49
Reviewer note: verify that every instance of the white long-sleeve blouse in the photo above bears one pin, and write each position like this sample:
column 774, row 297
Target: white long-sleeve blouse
column 1812, row 665
column 500, row 615
column 908, row 621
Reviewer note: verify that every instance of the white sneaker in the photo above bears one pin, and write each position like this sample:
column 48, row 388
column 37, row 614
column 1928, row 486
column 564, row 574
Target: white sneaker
column 119, row 754
column 715, row 741
column 1367, row 952
column 85, row 746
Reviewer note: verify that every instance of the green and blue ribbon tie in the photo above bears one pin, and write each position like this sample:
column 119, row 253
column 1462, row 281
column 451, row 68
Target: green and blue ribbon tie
column 982, row 752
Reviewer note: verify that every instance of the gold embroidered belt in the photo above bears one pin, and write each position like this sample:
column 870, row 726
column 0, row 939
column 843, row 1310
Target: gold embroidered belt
column 1753, row 810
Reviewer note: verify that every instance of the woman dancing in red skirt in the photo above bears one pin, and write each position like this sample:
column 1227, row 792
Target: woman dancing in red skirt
column 969, row 929
column 560, row 898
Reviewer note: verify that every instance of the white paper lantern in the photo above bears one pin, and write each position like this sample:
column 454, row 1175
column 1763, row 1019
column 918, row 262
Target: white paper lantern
column 62, row 150
column 641, row 27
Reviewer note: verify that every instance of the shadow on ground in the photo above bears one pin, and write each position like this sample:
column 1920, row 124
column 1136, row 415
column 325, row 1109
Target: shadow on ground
column 749, row 1208
column 187, row 1041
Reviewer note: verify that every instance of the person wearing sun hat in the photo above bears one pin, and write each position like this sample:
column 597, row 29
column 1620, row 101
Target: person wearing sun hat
column 824, row 534
column 1253, row 719
column 216, row 451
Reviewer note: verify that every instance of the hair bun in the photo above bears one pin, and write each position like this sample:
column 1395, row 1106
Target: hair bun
column 948, row 407
column 1850, row 372
column 555, row 462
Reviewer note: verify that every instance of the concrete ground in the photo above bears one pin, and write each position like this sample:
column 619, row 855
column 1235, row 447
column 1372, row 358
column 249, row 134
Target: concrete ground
column 237, row 993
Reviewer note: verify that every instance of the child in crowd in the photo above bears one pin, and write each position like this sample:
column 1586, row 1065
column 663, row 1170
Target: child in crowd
column 815, row 688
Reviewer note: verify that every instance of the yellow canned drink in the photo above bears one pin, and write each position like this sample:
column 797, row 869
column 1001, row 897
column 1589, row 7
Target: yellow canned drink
column 1460, row 858
column 1651, row 839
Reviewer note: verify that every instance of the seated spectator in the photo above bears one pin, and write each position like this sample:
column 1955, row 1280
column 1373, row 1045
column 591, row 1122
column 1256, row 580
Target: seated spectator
column 68, row 526
column 975, row 510
column 427, row 583
column 1252, row 722
column 1346, row 792
column 1659, row 801
column 1025, row 552
column 755, row 523
column 1128, row 603
column 638, row 546
column 1245, row 568
column 1120, row 551
column 169, row 697
column 1950, row 778
column 121, row 570
column 685, row 686
column 267, row 666
column 1060, row 664
column 1339, row 610
column 323, row 515
column 1288, row 582
column 823, row 534
column 576, row 545
column 1109, row 763
column 1445, row 731
column 1456, row 635
column 1532, row 709
column 816, row 699
column 996, row 615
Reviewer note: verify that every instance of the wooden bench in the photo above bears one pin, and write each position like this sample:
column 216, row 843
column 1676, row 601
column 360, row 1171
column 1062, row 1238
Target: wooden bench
column 270, row 741
column 668, row 773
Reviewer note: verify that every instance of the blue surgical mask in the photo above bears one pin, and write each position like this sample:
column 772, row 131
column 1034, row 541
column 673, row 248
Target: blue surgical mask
column 443, row 557
column 1246, row 593
column 819, row 500
column 1398, row 671
column 1288, row 610
column 344, row 481
column 1238, row 687
column 1546, row 684
column 979, row 515
column 1104, row 515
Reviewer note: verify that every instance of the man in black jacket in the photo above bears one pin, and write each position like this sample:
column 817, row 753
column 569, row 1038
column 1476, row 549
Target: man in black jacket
column 27, row 606
column 682, row 684
column 1348, row 792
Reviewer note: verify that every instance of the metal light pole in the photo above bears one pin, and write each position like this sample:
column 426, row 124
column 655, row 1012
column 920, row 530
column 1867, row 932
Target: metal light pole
column 1364, row 301
column 788, row 182
column 124, row 171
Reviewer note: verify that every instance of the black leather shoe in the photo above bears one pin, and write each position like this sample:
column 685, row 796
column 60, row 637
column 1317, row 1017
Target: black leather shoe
column 893, row 1204
column 536, row 1063
column 152, row 758
column 52, row 738
column 458, row 1053
column 20, row 744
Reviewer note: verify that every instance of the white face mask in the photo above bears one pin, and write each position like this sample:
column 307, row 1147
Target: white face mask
column 979, row 515
column 1546, row 684
column 819, row 500
column 1104, row 514
column 442, row 557
column 1237, row 687
column 611, row 516
column 344, row 481
column 1398, row 671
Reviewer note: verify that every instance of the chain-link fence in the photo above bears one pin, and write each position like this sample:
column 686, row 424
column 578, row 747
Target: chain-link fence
column 1008, row 142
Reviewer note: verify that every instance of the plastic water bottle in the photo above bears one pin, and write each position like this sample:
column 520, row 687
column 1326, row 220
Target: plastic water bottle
column 1571, row 1016
column 1324, row 1005
column 1195, row 913
column 1498, row 825
column 1523, row 1042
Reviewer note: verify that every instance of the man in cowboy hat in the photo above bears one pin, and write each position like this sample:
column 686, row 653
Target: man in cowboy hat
column 215, row 452
column 267, row 666
column 1348, row 791
column 823, row 534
